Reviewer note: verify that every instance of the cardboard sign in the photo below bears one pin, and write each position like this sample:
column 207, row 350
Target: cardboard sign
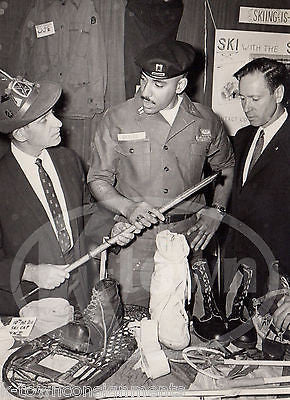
column 21, row 326
column 267, row 16
column 45, row 29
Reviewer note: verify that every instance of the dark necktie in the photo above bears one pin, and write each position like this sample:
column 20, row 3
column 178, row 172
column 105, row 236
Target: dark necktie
column 62, row 233
column 257, row 150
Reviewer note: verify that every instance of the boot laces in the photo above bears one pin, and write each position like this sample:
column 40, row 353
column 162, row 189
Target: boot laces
column 89, row 313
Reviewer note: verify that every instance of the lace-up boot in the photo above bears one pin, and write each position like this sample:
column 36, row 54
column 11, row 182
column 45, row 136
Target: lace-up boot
column 247, row 337
column 211, row 325
column 102, row 316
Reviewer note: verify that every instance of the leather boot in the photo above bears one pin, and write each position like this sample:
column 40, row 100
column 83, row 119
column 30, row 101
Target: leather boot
column 102, row 316
column 211, row 325
column 244, row 334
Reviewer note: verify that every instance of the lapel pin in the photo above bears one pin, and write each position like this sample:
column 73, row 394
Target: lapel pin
column 276, row 148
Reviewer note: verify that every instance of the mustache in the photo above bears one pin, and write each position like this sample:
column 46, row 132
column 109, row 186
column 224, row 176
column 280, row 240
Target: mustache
column 147, row 98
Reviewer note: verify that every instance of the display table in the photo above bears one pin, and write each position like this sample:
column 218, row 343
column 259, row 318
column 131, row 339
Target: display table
column 183, row 380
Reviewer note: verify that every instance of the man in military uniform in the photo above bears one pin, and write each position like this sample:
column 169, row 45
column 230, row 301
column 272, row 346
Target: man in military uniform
column 148, row 150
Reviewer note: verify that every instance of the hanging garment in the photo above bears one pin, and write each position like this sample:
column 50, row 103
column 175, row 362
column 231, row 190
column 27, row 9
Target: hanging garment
column 70, row 50
column 168, row 289
column 112, row 17
column 147, row 22
column 192, row 29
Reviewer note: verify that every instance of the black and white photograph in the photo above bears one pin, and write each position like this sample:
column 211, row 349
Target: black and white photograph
column 144, row 199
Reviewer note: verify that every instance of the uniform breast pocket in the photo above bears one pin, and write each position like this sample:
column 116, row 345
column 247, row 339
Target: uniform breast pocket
column 198, row 153
column 134, row 159
column 79, row 39
column 199, row 149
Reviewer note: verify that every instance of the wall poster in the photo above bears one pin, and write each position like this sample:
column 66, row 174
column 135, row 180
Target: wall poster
column 233, row 49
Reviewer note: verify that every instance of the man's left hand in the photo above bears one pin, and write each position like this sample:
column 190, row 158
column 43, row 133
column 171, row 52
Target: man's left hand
column 207, row 223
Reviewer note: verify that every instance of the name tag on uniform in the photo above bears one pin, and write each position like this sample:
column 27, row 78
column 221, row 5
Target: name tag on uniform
column 45, row 29
column 122, row 137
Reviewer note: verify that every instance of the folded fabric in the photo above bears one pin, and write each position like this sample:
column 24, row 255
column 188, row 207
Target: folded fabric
column 153, row 361
column 170, row 284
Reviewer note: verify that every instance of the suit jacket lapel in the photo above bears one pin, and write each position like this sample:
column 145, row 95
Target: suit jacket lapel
column 245, row 147
column 75, row 210
column 270, row 151
column 68, row 189
column 26, row 193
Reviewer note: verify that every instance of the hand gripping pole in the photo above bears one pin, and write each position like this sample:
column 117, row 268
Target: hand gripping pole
column 97, row 250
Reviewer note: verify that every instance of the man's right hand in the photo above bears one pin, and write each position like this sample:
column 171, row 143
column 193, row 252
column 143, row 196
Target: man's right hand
column 46, row 276
column 142, row 215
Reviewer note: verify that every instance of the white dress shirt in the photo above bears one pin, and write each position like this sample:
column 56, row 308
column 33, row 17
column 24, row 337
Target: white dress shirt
column 269, row 132
column 30, row 169
column 171, row 113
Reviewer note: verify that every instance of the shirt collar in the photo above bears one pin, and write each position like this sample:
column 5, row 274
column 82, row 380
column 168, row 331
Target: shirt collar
column 170, row 114
column 276, row 125
column 76, row 2
column 24, row 158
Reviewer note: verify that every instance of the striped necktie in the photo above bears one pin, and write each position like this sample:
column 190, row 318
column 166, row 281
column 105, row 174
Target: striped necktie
column 52, row 200
column 257, row 150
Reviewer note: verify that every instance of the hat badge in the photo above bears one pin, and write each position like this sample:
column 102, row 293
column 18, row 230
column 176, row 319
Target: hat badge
column 159, row 67
column 21, row 88
column 9, row 114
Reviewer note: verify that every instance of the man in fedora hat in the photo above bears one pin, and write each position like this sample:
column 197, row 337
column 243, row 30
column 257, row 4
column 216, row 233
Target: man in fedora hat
column 148, row 150
column 42, row 196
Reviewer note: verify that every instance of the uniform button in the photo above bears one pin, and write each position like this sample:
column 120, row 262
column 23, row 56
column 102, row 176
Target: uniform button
column 166, row 169
column 165, row 190
column 165, row 147
column 131, row 150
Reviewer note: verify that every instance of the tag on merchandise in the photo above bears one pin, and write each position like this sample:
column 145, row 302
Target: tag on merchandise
column 45, row 29
column 21, row 326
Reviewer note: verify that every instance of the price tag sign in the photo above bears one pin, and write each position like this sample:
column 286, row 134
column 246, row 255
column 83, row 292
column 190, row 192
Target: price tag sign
column 45, row 29
column 21, row 326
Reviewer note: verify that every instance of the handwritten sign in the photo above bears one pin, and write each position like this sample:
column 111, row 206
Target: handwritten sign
column 21, row 326
column 45, row 29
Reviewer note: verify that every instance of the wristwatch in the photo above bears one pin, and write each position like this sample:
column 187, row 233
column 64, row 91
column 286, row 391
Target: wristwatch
column 220, row 209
